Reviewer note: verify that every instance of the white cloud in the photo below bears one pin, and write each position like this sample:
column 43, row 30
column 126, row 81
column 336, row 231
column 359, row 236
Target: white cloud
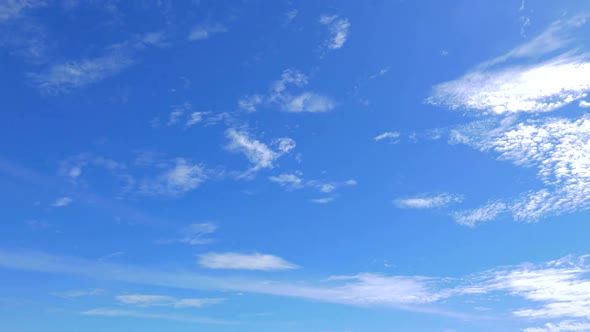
column 557, row 148
column 61, row 202
column 564, row 326
column 558, row 289
column 485, row 213
column 535, row 88
column 177, row 180
column 195, row 117
column 290, row 15
column 308, row 102
column 584, row 104
column 290, row 181
column 259, row 154
column 237, row 261
column 75, row 74
column 144, row 300
column 323, row 200
column 525, row 87
column 427, row 201
column 339, row 29
column 196, row 233
column 206, row 30
column 391, row 137
column 281, row 95
column 380, row 73
column 250, row 103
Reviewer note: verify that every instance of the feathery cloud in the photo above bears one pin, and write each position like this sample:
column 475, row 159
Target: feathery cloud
column 238, row 261
column 391, row 137
column 539, row 87
column 177, row 180
column 61, row 202
column 428, row 201
column 206, row 30
column 339, row 29
column 144, row 300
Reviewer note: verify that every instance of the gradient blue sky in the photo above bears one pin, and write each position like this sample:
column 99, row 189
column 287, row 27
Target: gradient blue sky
column 295, row 166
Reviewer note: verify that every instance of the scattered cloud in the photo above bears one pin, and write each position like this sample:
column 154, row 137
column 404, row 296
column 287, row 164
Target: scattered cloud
column 556, row 289
column 259, row 154
column 108, row 312
column 556, row 147
column 339, row 29
column 564, row 326
column 584, row 104
column 485, row 213
column 380, row 73
column 75, row 74
column 249, row 103
column 237, row 261
column 177, row 180
column 282, row 96
column 290, row 15
column 323, row 200
column 428, row 201
column 79, row 293
column 206, row 30
column 195, row 117
column 61, row 202
column 289, row 181
column 391, row 137
column 197, row 234
column 144, row 300
column 539, row 87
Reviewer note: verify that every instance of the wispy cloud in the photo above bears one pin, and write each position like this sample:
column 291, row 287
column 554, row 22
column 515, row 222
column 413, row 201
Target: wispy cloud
column 206, row 30
column 339, row 29
column 79, row 293
column 10, row 9
column 258, row 154
column 287, row 180
column 525, row 87
column 177, row 180
column 238, row 261
column 485, row 213
column 391, row 137
column 146, row 300
column 380, row 73
column 109, row 312
column 553, row 290
column 61, row 202
column 75, row 74
column 196, row 234
column 428, row 201
column 323, row 200
column 282, row 96
column 564, row 326
column 555, row 147
column 584, row 104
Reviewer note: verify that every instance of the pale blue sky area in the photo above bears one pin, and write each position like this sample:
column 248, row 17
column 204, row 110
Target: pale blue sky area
column 295, row 166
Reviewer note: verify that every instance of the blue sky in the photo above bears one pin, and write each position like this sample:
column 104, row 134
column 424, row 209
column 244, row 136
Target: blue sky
column 302, row 166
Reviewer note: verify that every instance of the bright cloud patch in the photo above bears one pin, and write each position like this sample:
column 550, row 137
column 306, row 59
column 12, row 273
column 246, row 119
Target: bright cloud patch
column 428, row 202
column 560, row 151
column 259, row 154
column 339, row 28
column 485, row 213
column 390, row 137
column 177, row 180
column 61, row 202
column 536, row 88
column 237, row 261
